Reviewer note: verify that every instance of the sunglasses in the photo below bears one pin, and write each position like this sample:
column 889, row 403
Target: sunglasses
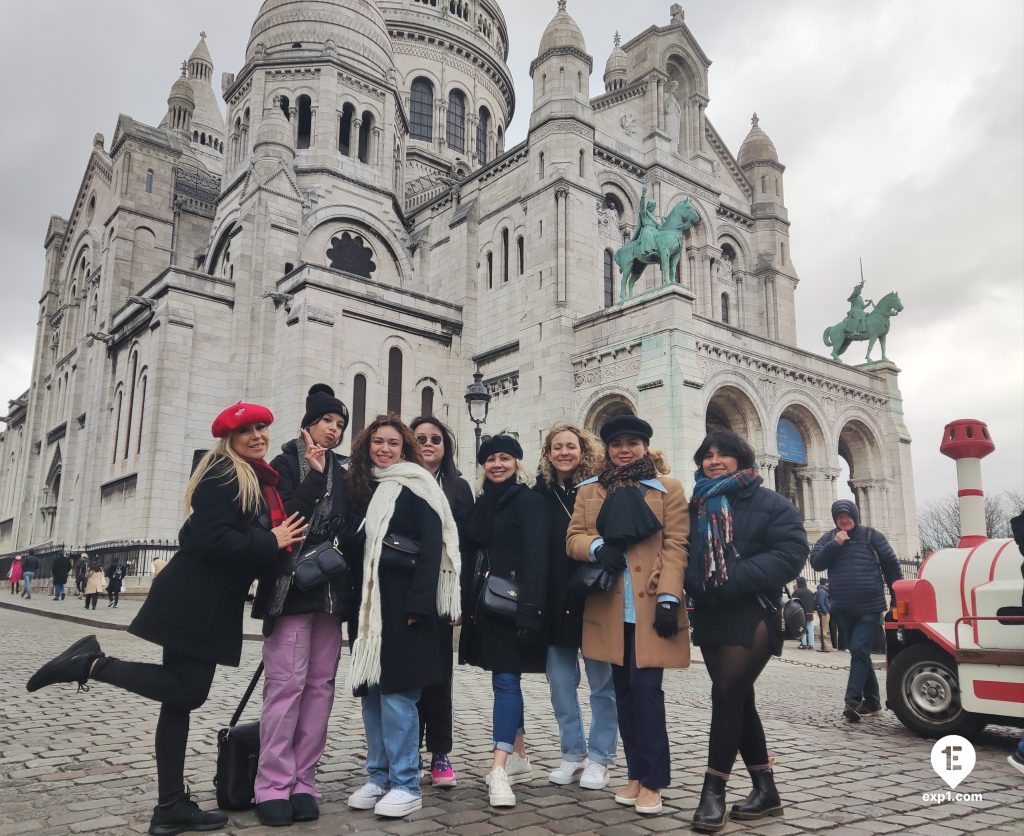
column 433, row 439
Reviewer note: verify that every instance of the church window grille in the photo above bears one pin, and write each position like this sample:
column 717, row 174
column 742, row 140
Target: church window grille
column 395, row 381
column 421, row 110
column 521, row 254
column 457, row 121
column 348, row 113
column 149, row 181
column 427, row 401
column 350, row 254
column 483, row 127
column 490, row 270
column 365, row 132
column 305, row 106
column 609, row 279
column 725, row 308
column 504, row 256
column 358, row 404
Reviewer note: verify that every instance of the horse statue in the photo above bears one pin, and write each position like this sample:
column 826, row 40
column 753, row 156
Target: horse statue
column 876, row 326
column 667, row 250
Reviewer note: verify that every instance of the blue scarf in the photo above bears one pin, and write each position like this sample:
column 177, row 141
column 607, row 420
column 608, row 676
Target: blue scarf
column 714, row 521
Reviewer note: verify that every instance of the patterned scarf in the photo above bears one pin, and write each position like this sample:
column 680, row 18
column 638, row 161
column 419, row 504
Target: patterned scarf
column 629, row 475
column 713, row 536
column 268, row 479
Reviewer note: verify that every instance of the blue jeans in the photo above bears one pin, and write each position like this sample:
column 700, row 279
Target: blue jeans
column 507, row 717
column 859, row 632
column 58, row 590
column 563, row 669
column 807, row 640
column 26, row 580
column 392, row 739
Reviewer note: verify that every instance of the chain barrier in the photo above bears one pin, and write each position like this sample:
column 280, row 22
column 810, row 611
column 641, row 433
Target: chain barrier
column 803, row 664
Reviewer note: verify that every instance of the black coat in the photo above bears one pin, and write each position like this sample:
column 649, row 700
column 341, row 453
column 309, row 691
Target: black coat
column 30, row 563
column 565, row 611
column 195, row 605
column 771, row 544
column 856, row 569
column 517, row 547
column 61, row 569
column 808, row 600
column 342, row 594
column 411, row 654
column 115, row 577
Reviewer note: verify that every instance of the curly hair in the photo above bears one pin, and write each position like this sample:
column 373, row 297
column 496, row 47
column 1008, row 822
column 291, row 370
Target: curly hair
column 359, row 482
column 591, row 454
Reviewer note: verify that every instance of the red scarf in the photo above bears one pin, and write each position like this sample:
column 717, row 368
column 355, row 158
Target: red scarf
column 268, row 479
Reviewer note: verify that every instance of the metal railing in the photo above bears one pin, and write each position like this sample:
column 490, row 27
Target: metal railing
column 136, row 555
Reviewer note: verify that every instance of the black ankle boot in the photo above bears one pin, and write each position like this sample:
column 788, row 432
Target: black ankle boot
column 710, row 814
column 183, row 816
column 72, row 665
column 763, row 799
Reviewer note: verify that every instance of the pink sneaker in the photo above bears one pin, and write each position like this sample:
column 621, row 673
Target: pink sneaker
column 441, row 772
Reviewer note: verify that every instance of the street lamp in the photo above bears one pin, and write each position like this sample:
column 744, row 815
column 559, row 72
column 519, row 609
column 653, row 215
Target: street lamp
column 478, row 401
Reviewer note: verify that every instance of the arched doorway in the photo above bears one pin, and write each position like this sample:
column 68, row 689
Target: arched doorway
column 730, row 408
column 801, row 444
column 861, row 453
column 606, row 408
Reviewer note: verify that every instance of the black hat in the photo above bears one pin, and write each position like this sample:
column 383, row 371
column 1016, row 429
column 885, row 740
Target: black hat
column 501, row 443
column 319, row 402
column 626, row 425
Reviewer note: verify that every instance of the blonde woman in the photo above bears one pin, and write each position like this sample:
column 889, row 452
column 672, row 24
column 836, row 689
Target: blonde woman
column 571, row 455
column 194, row 607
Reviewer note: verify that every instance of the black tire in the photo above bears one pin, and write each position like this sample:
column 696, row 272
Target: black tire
column 923, row 689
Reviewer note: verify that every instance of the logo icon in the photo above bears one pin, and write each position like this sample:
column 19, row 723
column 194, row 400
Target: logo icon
column 953, row 759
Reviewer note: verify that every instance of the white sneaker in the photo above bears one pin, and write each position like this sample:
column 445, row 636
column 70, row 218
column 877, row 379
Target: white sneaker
column 568, row 772
column 595, row 776
column 367, row 796
column 398, row 803
column 518, row 769
column 499, row 793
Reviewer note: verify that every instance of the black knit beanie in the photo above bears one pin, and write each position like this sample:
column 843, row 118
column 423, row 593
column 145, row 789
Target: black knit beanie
column 319, row 402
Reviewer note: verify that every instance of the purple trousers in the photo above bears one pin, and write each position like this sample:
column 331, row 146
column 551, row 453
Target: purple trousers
column 300, row 659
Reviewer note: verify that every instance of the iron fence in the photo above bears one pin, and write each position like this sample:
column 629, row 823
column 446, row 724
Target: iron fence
column 136, row 555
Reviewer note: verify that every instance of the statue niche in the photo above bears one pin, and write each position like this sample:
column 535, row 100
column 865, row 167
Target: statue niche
column 350, row 254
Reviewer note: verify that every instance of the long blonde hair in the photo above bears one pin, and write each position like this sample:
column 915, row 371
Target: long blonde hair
column 591, row 454
column 225, row 463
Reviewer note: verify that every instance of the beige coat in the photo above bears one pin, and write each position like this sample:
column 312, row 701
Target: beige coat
column 95, row 582
column 656, row 566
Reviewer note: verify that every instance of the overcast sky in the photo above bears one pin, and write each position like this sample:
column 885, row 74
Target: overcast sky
column 900, row 122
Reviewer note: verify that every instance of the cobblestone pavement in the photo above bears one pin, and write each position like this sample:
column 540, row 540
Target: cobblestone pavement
column 82, row 763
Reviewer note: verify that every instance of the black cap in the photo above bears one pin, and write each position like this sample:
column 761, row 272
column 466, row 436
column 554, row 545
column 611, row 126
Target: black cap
column 501, row 443
column 626, row 425
column 319, row 402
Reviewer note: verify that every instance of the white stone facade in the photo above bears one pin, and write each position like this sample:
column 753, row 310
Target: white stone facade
column 357, row 220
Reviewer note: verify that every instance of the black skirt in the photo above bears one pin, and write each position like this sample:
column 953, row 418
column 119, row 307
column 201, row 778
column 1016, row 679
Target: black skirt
column 733, row 623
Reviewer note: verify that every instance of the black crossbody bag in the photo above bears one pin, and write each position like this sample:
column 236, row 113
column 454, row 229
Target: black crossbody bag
column 238, row 756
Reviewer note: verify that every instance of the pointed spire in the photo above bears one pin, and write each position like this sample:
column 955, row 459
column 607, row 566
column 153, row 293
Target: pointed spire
column 561, row 6
column 753, row 120
column 617, row 39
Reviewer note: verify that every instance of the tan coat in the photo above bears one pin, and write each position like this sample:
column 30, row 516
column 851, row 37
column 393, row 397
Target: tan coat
column 95, row 583
column 656, row 566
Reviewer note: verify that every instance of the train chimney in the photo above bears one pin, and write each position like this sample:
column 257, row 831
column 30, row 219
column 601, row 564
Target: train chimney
column 967, row 442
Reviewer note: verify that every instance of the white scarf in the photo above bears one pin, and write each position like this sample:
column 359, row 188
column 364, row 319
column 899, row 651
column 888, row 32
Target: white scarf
column 365, row 667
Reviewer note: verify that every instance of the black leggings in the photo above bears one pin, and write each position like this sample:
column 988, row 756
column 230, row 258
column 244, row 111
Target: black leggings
column 113, row 595
column 181, row 684
column 435, row 705
column 735, row 725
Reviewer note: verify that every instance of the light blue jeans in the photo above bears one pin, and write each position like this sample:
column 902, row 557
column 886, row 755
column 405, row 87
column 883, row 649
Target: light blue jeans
column 563, row 670
column 808, row 637
column 507, row 716
column 392, row 726
column 26, row 580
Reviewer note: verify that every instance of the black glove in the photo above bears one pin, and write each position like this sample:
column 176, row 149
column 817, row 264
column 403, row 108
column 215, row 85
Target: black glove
column 527, row 635
column 666, row 619
column 612, row 558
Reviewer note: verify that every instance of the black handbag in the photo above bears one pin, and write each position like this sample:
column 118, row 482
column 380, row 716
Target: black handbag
column 591, row 579
column 500, row 597
column 399, row 551
column 238, row 757
column 790, row 621
column 318, row 566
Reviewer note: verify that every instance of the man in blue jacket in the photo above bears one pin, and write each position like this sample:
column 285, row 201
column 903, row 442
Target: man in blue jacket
column 857, row 559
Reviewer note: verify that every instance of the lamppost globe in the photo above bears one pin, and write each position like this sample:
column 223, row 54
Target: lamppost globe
column 478, row 402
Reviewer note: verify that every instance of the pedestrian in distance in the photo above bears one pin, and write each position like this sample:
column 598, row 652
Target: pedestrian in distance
column 159, row 564
column 115, row 579
column 81, row 573
column 194, row 607
column 508, row 535
column 14, row 574
column 823, row 605
column 860, row 564
column 59, row 572
column 410, row 581
column 809, row 602
column 29, row 568
column 437, row 447
column 569, row 456
column 302, row 628
column 747, row 542
column 631, row 520
column 95, row 584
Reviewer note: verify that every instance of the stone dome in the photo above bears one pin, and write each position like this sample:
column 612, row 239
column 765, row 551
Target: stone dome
column 563, row 32
column 757, row 147
column 354, row 29
column 618, row 63
column 181, row 92
column 273, row 137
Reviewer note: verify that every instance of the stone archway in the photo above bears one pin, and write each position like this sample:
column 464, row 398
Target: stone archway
column 859, row 448
column 730, row 408
column 606, row 408
column 801, row 446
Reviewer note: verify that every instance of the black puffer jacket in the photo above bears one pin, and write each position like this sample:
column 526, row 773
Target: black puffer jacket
column 855, row 574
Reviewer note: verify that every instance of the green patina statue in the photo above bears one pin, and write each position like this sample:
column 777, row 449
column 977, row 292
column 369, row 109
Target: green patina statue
column 862, row 325
column 655, row 243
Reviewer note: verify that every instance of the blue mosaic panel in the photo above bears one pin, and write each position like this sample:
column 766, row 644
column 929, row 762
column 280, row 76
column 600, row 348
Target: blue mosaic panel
column 790, row 443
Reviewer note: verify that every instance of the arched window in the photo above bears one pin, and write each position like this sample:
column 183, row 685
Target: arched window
column 521, row 254
column 764, row 181
column 395, row 381
column 457, row 121
column 421, row 110
column 149, row 180
column 504, row 255
column 579, row 82
column 358, row 404
column 501, row 142
column 195, row 136
column 541, row 165
column 483, row 127
column 348, row 113
column 305, row 122
column 609, row 279
column 119, row 400
column 286, row 109
column 427, row 401
column 364, row 136
column 543, row 83
column 490, row 270
column 133, row 369
column 561, row 77
column 581, row 162
column 725, row 308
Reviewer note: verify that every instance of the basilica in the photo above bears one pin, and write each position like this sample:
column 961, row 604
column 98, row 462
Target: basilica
column 345, row 208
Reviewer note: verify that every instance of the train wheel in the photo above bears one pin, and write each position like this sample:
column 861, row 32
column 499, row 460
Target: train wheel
column 923, row 690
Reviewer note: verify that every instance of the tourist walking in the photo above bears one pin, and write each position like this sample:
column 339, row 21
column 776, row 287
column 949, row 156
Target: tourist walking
column 81, row 573
column 823, row 604
column 569, row 456
column 809, row 602
column 194, row 607
column 14, row 574
column 115, row 579
column 410, row 580
column 29, row 567
column 59, row 572
column 631, row 521
column 747, row 542
column 508, row 534
column 437, row 447
column 302, row 628
column 95, row 584
column 860, row 565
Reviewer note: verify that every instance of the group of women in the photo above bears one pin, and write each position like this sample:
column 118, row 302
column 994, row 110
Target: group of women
column 596, row 556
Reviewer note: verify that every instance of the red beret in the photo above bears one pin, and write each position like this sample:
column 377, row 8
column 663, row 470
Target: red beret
column 240, row 415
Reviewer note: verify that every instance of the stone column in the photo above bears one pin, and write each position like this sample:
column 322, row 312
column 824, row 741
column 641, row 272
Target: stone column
column 769, row 307
column 661, row 105
column 353, row 137
column 374, row 153
column 739, row 301
column 709, row 288
column 442, row 123
column 312, row 127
